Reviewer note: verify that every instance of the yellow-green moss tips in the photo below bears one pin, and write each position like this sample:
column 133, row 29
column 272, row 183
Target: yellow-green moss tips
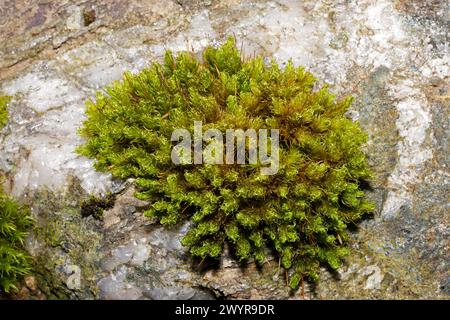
column 300, row 214
column 3, row 110
column 15, row 221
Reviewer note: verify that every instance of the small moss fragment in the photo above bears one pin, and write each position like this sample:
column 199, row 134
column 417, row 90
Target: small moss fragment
column 3, row 110
column 95, row 206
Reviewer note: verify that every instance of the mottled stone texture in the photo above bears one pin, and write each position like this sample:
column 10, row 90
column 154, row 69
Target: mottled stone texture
column 392, row 56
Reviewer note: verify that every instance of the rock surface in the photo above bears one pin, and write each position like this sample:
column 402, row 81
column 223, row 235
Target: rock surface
column 392, row 56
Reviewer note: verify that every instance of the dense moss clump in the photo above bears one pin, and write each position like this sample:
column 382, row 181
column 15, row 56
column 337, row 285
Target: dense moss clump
column 301, row 213
column 14, row 223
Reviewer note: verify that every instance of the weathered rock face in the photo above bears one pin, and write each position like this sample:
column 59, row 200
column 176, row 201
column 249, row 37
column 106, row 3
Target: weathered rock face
column 392, row 56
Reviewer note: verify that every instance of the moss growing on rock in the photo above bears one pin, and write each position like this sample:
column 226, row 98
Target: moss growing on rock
column 15, row 221
column 95, row 206
column 3, row 110
column 301, row 213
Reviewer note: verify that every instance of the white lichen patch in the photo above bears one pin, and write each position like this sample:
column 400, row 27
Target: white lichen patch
column 413, row 124
column 43, row 90
column 94, row 65
column 374, row 277
column 328, row 38
column 115, row 287
column 40, row 149
column 198, row 35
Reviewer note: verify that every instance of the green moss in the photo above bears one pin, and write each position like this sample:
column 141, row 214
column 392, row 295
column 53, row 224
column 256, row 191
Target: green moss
column 3, row 110
column 50, row 234
column 15, row 221
column 301, row 213
column 95, row 206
